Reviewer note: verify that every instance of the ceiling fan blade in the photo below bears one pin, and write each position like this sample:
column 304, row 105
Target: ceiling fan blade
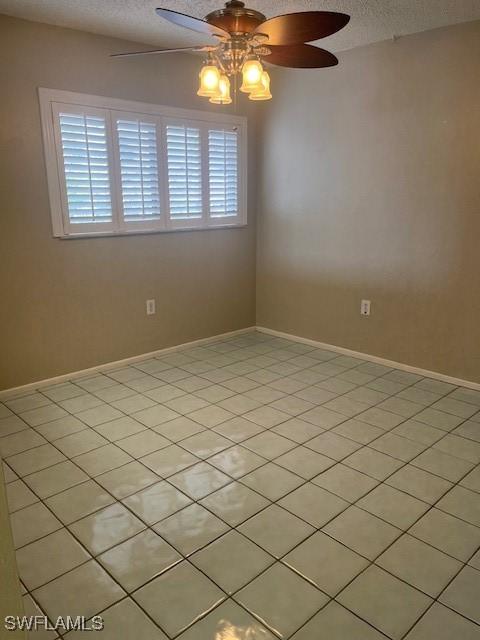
column 189, row 22
column 150, row 52
column 300, row 56
column 307, row 26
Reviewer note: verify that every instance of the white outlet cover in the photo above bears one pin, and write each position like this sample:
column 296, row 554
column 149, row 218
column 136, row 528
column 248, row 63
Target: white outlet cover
column 150, row 307
column 365, row 307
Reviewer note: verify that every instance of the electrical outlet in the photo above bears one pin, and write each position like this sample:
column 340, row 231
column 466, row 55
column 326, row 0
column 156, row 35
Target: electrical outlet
column 365, row 307
column 150, row 307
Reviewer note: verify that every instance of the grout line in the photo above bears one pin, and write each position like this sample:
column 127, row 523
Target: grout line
column 297, row 445
column 373, row 563
column 66, row 377
column 425, row 373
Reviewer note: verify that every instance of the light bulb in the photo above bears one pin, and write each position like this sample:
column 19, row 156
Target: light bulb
column 223, row 93
column 262, row 93
column 252, row 76
column 209, row 81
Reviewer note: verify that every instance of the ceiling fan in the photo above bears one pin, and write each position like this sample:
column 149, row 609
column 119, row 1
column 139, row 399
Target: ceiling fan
column 245, row 39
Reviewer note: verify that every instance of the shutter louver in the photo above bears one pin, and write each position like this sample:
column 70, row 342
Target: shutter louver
column 86, row 166
column 184, row 172
column 223, row 173
column 137, row 143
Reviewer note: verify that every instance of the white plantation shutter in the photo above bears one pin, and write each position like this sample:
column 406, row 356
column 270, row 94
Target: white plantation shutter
column 86, row 167
column 137, row 150
column 223, row 172
column 117, row 167
column 184, row 171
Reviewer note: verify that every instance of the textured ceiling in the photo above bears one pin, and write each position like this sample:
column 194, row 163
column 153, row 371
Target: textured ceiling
column 372, row 20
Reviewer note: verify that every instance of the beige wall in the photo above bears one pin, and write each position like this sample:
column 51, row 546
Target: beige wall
column 70, row 304
column 369, row 178
column 370, row 188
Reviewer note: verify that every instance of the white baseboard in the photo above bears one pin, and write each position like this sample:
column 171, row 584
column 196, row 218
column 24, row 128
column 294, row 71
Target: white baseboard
column 365, row 356
column 6, row 393
column 31, row 386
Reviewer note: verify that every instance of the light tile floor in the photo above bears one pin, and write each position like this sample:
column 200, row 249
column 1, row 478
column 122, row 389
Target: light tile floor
column 250, row 488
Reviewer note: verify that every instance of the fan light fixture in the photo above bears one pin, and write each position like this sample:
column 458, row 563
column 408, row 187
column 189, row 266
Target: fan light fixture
column 245, row 39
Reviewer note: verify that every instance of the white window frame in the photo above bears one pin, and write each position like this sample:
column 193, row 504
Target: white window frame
column 50, row 102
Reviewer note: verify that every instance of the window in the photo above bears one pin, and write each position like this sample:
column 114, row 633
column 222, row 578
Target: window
column 119, row 167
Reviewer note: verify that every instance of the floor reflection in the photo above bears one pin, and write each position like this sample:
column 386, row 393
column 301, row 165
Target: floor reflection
column 226, row 630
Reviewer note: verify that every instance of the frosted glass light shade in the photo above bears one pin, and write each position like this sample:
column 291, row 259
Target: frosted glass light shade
column 252, row 76
column 223, row 93
column 209, row 81
column 262, row 93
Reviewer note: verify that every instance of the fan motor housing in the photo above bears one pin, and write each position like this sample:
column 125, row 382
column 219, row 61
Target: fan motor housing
column 236, row 18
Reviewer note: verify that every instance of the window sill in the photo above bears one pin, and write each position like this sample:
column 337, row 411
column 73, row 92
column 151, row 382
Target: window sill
column 145, row 232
